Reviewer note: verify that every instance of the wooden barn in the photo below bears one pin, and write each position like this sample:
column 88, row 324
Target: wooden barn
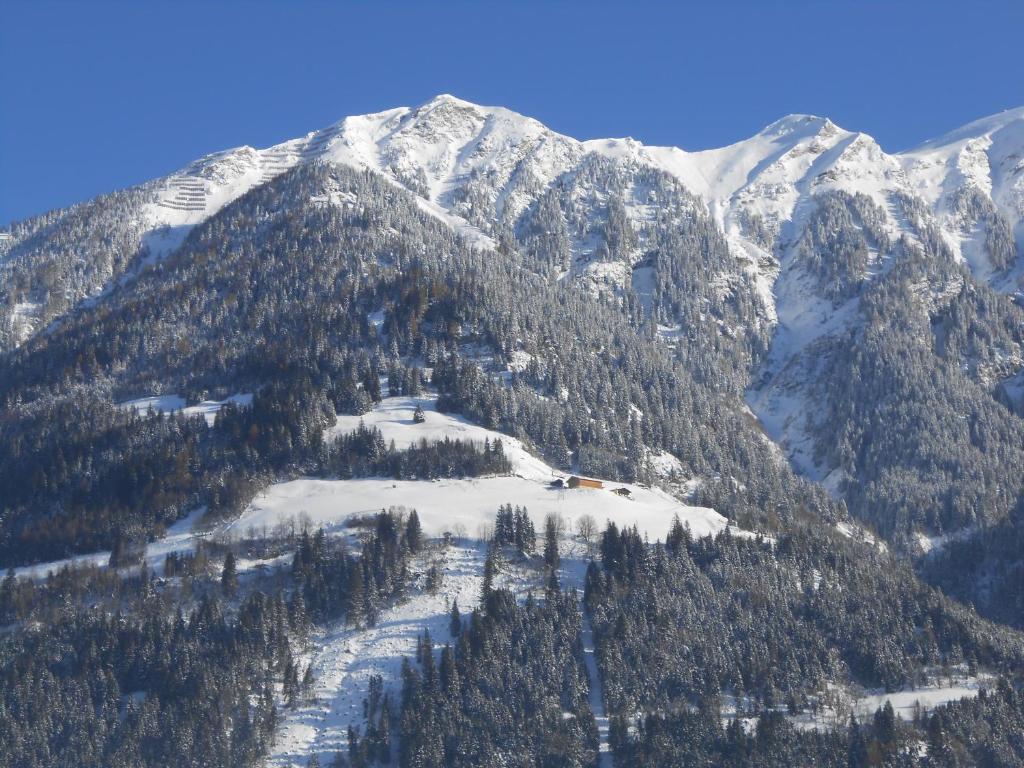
column 584, row 482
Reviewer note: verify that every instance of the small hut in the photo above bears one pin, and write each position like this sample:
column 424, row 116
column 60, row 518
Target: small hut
column 624, row 492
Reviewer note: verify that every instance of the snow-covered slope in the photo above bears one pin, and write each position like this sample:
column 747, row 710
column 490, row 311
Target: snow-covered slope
column 464, row 505
column 985, row 158
column 344, row 659
column 464, row 508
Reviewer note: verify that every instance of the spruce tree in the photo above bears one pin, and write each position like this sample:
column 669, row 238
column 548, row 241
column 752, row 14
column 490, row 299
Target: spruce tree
column 551, row 557
column 414, row 533
column 487, row 586
column 455, row 623
column 229, row 575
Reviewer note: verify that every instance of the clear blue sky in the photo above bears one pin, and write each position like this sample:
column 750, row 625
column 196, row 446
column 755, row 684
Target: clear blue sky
column 100, row 95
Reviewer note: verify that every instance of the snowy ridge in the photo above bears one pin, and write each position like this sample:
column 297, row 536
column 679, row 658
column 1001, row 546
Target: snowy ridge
column 480, row 168
column 439, row 151
column 986, row 156
column 476, row 167
column 488, row 164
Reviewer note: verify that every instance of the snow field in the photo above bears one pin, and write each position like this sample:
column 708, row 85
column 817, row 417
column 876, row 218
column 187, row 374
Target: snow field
column 839, row 703
column 463, row 506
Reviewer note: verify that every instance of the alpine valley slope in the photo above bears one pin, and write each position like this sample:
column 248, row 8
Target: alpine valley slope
column 690, row 326
column 767, row 248
column 491, row 174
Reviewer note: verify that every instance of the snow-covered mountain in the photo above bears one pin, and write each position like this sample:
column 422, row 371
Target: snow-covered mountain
column 480, row 168
column 486, row 165
column 223, row 393
column 605, row 207
column 484, row 171
column 474, row 163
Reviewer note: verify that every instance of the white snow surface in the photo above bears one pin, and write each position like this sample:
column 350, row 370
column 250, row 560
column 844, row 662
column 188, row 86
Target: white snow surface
column 927, row 697
column 466, row 504
column 836, row 702
column 840, row 702
column 24, row 319
column 988, row 155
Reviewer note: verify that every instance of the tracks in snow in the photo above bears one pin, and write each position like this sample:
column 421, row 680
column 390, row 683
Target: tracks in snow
column 596, row 692
column 346, row 659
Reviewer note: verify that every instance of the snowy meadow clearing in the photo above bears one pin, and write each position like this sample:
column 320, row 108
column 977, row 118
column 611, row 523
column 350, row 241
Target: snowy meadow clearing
column 465, row 505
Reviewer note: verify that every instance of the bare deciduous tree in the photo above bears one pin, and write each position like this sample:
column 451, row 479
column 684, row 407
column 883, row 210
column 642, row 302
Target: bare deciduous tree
column 586, row 529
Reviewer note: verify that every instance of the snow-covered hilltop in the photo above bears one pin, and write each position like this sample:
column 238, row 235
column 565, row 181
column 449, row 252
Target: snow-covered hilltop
column 455, row 155
column 464, row 505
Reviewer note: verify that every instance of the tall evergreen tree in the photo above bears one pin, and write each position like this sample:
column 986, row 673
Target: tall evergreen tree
column 229, row 575
column 552, row 559
column 455, row 620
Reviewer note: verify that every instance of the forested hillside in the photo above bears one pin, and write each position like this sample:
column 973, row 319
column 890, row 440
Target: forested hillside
column 267, row 425
column 291, row 284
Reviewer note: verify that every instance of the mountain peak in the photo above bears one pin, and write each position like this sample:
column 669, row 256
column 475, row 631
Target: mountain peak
column 447, row 99
column 799, row 125
column 446, row 103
